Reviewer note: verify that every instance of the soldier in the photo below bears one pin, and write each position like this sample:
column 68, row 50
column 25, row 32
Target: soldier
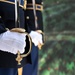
column 8, row 51
column 32, row 69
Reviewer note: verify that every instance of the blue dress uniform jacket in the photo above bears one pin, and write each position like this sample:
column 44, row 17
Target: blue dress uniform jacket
column 7, row 20
column 29, row 13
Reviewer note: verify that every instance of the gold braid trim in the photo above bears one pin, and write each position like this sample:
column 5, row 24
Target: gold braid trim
column 25, row 4
column 37, row 5
column 6, row 1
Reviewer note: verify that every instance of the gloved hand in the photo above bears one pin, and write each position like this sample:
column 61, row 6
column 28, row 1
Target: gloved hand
column 12, row 42
column 36, row 38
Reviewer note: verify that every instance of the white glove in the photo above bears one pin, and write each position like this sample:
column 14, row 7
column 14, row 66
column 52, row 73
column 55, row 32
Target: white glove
column 12, row 42
column 36, row 38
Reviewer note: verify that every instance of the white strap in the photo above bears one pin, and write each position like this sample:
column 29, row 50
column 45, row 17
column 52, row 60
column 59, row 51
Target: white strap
column 34, row 9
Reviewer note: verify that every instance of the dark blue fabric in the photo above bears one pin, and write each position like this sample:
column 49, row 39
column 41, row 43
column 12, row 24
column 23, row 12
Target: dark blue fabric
column 8, row 71
column 29, row 69
column 32, row 69
column 7, row 20
column 2, row 27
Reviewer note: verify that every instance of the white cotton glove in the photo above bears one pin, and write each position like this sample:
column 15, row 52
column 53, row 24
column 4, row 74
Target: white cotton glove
column 12, row 42
column 36, row 38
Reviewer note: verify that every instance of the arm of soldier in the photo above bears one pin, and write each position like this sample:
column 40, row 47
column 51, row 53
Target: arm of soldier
column 11, row 44
column 30, row 19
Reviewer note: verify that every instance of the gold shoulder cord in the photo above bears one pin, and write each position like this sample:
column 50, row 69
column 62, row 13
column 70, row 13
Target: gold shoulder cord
column 25, row 3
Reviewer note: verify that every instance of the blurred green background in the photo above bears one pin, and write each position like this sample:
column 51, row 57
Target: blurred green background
column 57, row 56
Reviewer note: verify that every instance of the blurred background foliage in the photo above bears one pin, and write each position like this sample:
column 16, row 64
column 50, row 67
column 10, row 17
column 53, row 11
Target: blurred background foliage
column 57, row 56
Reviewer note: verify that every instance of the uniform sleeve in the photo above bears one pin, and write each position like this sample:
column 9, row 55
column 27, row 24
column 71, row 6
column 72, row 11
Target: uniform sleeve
column 30, row 18
column 2, row 27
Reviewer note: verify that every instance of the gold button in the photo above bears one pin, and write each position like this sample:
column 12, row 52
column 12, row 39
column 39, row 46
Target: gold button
column 27, row 17
column 41, row 2
column 36, row 18
column 0, row 16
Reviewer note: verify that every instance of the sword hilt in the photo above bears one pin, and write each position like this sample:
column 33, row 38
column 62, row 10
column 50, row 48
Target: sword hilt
column 20, row 30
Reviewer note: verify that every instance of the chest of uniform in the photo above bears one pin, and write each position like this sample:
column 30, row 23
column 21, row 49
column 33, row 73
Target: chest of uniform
column 8, row 10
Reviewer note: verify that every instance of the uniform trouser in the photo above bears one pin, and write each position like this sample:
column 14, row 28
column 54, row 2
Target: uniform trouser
column 32, row 69
column 29, row 69
column 8, row 71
